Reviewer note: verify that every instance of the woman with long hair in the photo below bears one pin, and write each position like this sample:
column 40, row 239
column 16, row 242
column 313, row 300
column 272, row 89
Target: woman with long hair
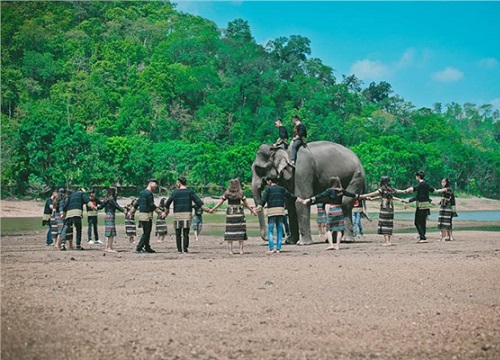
column 236, row 226
column 110, row 206
column 130, row 227
column 446, row 211
column 161, row 223
column 333, row 196
column 386, row 194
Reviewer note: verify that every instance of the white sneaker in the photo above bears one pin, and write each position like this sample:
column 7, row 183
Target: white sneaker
column 91, row 242
column 98, row 242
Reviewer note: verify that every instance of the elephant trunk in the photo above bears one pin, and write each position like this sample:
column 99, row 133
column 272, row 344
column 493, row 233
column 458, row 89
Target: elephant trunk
column 256, row 193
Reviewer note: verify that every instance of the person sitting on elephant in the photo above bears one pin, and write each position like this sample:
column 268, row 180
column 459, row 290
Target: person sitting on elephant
column 333, row 196
column 282, row 141
column 299, row 139
column 275, row 197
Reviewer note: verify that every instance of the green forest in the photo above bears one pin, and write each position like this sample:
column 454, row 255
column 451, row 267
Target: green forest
column 113, row 93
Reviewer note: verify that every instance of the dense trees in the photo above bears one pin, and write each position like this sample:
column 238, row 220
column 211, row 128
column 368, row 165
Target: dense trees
column 99, row 93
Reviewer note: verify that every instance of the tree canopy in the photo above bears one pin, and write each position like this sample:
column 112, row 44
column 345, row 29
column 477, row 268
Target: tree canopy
column 100, row 93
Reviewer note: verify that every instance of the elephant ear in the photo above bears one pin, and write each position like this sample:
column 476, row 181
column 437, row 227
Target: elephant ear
column 287, row 173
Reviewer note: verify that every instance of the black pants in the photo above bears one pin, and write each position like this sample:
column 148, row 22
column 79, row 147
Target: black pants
column 77, row 221
column 421, row 222
column 179, row 235
column 295, row 147
column 92, row 226
column 147, row 226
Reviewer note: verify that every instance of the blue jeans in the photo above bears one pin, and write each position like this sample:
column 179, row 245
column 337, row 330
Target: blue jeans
column 356, row 221
column 49, row 235
column 273, row 221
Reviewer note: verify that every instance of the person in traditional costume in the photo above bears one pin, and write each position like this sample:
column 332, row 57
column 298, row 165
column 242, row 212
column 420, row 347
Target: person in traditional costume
column 423, row 203
column 236, row 226
column 183, row 199
column 447, row 210
column 110, row 206
column 386, row 194
column 92, row 217
column 47, row 214
column 146, row 205
column 275, row 196
column 74, row 214
column 161, row 223
column 333, row 196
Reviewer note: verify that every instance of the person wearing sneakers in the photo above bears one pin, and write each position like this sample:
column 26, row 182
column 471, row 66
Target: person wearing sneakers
column 74, row 214
column 92, row 219
column 146, row 205
column 275, row 196
column 423, row 204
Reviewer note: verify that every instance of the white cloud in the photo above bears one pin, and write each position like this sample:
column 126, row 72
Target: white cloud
column 488, row 63
column 407, row 59
column 369, row 70
column 448, row 75
column 496, row 103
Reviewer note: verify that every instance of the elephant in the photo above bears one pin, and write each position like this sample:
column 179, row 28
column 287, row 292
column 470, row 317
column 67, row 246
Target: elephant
column 316, row 164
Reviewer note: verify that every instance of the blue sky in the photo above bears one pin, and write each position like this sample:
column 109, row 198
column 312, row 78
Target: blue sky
column 428, row 51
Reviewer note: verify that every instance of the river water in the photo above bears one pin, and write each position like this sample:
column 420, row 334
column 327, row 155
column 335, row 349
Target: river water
column 19, row 225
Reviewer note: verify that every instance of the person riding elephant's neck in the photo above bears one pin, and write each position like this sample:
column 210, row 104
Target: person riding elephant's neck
column 299, row 139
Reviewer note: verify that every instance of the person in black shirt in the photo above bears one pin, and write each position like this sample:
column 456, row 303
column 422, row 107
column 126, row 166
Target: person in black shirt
column 146, row 205
column 299, row 138
column 282, row 141
column 74, row 214
column 92, row 216
column 423, row 204
column 47, row 214
column 183, row 199
column 333, row 196
column 275, row 197
column 110, row 206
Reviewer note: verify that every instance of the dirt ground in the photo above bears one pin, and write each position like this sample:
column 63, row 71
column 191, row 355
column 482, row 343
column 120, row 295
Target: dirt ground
column 439, row 300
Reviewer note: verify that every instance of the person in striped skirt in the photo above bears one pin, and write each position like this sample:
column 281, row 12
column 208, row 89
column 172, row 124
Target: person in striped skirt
column 161, row 224
column 386, row 194
column 197, row 224
column 236, row 226
column 321, row 219
column 110, row 206
column 333, row 196
column 446, row 211
column 130, row 227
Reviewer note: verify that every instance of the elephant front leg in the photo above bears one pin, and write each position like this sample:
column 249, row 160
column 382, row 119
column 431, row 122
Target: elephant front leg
column 304, row 218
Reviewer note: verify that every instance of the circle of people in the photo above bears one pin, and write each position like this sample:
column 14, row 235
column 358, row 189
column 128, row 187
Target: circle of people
column 64, row 210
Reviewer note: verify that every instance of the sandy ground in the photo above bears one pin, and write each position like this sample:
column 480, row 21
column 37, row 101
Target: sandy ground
column 439, row 300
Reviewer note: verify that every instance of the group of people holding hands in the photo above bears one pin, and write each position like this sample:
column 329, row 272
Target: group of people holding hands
column 63, row 210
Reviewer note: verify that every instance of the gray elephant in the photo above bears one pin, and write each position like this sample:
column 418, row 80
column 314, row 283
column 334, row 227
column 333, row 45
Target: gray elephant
column 316, row 164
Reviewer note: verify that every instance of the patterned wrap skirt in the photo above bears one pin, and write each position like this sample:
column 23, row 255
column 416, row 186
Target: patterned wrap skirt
column 109, row 225
column 130, row 228
column 321, row 218
column 69, row 231
column 385, row 220
column 161, row 227
column 236, row 225
column 53, row 226
column 197, row 224
column 445, row 216
column 335, row 218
